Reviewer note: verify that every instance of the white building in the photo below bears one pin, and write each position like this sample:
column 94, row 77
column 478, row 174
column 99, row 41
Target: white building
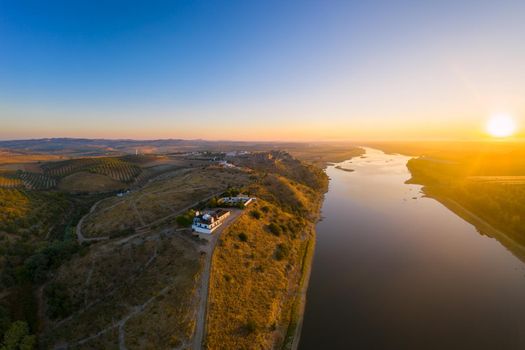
column 234, row 201
column 207, row 222
column 225, row 164
column 236, row 153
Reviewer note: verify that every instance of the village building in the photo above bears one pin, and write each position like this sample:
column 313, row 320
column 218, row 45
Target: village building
column 209, row 221
column 236, row 153
column 226, row 164
column 235, row 201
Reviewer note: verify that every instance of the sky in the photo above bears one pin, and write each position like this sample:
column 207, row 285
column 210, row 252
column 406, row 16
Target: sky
column 259, row 70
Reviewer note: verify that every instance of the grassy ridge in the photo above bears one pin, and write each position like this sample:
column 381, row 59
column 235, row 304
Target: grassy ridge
column 260, row 265
column 255, row 274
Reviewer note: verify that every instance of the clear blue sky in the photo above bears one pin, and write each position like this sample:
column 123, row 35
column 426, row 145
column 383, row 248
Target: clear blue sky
column 258, row 69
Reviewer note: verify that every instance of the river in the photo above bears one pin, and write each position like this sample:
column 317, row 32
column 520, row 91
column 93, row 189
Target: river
column 395, row 270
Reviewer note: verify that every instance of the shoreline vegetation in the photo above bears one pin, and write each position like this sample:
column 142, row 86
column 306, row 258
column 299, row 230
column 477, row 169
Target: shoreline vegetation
column 482, row 182
column 293, row 337
column 482, row 226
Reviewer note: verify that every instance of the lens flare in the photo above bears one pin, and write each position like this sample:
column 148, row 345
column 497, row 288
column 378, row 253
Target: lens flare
column 501, row 125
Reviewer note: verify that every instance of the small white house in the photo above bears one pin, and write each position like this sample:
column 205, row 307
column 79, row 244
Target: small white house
column 225, row 164
column 233, row 201
column 207, row 222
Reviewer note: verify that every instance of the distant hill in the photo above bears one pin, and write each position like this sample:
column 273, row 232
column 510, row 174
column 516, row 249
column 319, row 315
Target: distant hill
column 101, row 147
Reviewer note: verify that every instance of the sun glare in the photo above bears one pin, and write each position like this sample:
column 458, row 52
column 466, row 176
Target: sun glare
column 501, row 125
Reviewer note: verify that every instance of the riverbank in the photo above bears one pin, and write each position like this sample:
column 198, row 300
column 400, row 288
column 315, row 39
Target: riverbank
column 293, row 335
column 481, row 225
column 390, row 272
column 260, row 269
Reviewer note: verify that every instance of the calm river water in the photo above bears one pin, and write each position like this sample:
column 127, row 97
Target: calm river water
column 393, row 270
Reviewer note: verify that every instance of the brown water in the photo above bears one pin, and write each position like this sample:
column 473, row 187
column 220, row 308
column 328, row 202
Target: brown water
column 393, row 272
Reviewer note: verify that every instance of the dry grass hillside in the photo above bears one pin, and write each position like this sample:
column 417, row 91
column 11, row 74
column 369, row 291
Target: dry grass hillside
column 283, row 164
column 138, row 293
column 163, row 198
column 262, row 260
column 255, row 277
column 322, row 154
column 291, row 196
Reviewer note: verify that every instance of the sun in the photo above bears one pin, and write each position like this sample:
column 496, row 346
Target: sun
column 501, row 125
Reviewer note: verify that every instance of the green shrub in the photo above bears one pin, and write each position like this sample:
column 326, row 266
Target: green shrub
column 186, row 219
column 59, row 301
column 275, row 229
column 251, row 326
column 18, row 337
column 213, row 203
column 256, row 214
column 243, row 237
column 281, row 252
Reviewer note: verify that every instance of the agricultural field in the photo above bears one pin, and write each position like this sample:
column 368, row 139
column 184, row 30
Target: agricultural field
column 83, row 181
column 88, row 174
column 153, row 167
column 10, row 180
column 13, row 157
column 66, row 167
column 28, row 180
column 116, row 169
column 161, row 199
column 35, row 181
column 113, row 167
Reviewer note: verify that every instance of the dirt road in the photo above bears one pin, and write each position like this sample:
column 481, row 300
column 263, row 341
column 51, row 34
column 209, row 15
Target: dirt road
column 200, row 328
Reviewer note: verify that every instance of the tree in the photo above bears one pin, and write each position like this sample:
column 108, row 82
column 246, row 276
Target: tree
column 60, row 304
column 186, row 219
column 213, row 202
column 17, row 337
column 5, row 320
column 275, row 229
column 256, row 214
column 251, row 326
